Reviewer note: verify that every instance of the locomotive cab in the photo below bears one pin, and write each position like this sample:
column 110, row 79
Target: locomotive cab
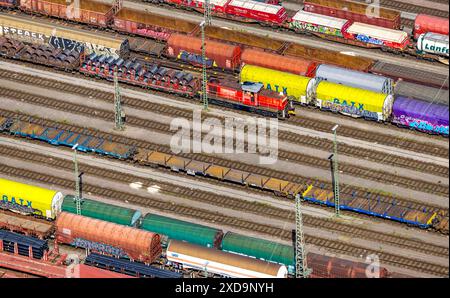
column 250, row 92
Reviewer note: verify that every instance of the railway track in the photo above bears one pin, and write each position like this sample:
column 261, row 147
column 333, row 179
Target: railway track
column 310, row 123
column 163, row 128
column 345, row 189
column 211, row 198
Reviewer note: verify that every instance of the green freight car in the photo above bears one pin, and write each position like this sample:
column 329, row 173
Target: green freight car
column 182, row 230
column 259, row 249
column 102, row 211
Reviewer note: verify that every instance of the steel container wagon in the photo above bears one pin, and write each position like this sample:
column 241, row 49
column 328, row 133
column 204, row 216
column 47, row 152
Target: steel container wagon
column 258, row 11
column 106, row 237
column 150, row 25
column 357, row 79
column 354, row 11
column 425, row 23
column 354, row 102
column 29, row 199
column 421, row 92
column 89, row 11
column 319, row 24
column 297, row 88
column 295, row 65
column 9, row 3
column 182, row 230
column 260, row 249
column 433, row 43
column 421, row 115
column 215, row 261
column 218, row 54
column 60, row 37
column 377, row 37
column 102, row 211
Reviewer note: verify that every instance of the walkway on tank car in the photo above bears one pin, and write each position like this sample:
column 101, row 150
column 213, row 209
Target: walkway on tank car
column 58, row 136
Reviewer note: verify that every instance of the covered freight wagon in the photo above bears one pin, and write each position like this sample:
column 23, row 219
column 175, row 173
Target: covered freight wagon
column 377, row 37
column 354, row 102
column 425, row 23
column 357, row 79
column 356, row 12
column 296, row 87
column 421, row 92
column 182, row 230
column 149, row 24
column 317, row 23
column 259, row 249
column 212, row 260
column 109, row 238
column 295, row 65
column 102, row 211
column 45, row 33
column 421, row 115
column 84, row 11
column 258, row 11
column 189, row 49
column 29, row 199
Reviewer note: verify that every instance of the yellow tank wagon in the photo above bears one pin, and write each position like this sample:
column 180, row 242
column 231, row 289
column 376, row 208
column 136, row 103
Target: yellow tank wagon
column 298, row 88
column 354, row 102
column 29, row 199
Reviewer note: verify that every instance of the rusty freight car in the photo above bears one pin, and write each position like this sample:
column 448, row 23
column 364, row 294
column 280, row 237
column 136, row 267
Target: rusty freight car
column 150, row 25
column 85, row 11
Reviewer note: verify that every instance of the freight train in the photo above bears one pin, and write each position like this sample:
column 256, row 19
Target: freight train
column 363, row 203
column 342, row 21
column 263, row 91
column 211, row 248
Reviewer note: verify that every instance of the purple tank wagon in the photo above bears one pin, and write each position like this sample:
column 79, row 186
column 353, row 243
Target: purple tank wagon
column 421, row 115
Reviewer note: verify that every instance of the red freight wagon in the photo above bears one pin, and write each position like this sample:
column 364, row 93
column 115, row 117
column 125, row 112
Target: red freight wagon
column 189, row 49
column 356, row 12
column 8, row 3
column 260, row 12
column 89, row 11
column 216, row 5
column 290, row 64
column 425, row 23
column 251, row 97
column 150, row 25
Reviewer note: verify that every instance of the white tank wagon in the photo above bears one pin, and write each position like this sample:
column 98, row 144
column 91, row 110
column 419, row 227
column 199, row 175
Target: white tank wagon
column 353, row 78
column 186, row 255
column 433, row 43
